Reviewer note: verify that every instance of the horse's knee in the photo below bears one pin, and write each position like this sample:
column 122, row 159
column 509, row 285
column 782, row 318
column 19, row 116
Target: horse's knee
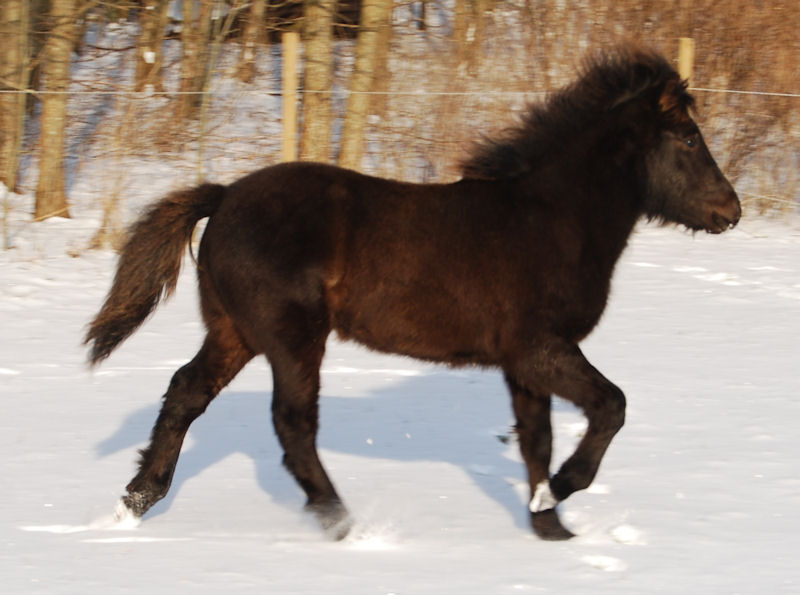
column 609, row 414
column 617, row 406
column 186, row 397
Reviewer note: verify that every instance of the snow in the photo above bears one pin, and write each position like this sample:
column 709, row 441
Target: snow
column 700, row 492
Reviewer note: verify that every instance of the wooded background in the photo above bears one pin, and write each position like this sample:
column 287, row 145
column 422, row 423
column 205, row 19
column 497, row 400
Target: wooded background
column 394, row 88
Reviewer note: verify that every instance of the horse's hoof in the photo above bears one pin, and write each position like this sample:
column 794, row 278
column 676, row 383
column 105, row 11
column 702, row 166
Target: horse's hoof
column 547, row 526
column 136, row 503
column 124, row 517
column 340, row 529
column 334, row 518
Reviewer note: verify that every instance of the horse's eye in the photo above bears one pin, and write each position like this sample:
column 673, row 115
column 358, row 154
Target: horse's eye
column 691, row 141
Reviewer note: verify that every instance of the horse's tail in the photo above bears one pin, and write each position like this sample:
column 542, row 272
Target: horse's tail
column 149, row 264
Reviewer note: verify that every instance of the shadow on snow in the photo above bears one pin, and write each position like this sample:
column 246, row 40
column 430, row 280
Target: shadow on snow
column 454, row 417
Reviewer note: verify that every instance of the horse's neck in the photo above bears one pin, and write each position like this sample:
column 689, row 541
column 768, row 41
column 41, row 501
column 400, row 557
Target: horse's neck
column 610, row 226
column 604, row 210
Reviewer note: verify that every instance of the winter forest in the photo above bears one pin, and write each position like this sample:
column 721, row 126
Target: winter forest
column 398, row 89
column 108, row 105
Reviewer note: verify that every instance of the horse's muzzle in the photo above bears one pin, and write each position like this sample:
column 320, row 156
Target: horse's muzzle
column 726, row 216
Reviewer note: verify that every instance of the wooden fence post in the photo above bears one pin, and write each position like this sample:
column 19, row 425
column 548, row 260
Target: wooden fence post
column 290, row 42
column 686, row 58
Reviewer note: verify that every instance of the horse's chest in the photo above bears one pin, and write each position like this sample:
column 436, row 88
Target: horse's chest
column 571, row 301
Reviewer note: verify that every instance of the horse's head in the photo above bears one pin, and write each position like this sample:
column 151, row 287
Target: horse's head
column 685, row 185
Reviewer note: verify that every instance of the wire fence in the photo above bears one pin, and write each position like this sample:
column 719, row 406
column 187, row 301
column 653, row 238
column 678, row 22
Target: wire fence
column 412, row 92
column 416, row 135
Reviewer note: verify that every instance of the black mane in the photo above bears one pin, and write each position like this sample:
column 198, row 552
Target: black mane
column 607, row 80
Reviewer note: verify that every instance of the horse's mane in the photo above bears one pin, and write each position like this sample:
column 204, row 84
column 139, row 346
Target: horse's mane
column 607, row 80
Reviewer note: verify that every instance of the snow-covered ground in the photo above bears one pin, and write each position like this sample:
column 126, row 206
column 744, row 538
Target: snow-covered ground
column 699, row 493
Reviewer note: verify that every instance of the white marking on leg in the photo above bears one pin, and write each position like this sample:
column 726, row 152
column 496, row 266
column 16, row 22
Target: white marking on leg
column 543, row 498
column 124, row 517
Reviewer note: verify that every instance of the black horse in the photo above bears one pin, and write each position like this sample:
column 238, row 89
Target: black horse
column 508, row 267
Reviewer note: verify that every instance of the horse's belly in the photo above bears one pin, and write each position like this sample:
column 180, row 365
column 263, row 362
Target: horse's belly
column 419, row 328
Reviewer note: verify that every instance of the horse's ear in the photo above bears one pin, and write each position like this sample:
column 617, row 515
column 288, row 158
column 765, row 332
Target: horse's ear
column 675, row 101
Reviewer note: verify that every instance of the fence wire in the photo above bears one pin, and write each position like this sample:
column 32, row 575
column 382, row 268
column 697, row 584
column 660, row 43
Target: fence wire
column 469, row 102
column 417, row 92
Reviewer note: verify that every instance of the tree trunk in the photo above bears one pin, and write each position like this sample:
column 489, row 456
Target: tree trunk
column 374, row 14
column 468, row 31
column 149, row 54
column 315, row 142
column 460, row 24
column 254, row 34
column 195, row 39
column 14, row 77
column 218, row 35
column 379, row 102
column 51, row 199
column 420, row 10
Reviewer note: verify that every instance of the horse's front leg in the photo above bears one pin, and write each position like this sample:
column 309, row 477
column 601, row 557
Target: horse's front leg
column 535, row 436
column 560, row 368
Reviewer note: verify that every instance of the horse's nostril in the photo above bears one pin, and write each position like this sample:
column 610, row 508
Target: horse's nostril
column 728, row 214
column 721, row 223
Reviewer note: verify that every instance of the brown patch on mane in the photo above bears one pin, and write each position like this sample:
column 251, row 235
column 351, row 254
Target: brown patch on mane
column 607, row 81
column 675, row 102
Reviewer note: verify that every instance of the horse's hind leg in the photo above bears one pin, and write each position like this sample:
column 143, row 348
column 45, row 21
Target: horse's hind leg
column 535, row 441
column 295, row 414
column 192, row 388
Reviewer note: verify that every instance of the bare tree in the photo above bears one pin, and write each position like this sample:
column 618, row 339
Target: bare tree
column 374, row 13
column 149, row 54
column 51, row 198
column 469, row 30
column 381, row 81
column 315, row 141
column 220, row 30
column 14, row 75
column 195, row 36
column 253, row 35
